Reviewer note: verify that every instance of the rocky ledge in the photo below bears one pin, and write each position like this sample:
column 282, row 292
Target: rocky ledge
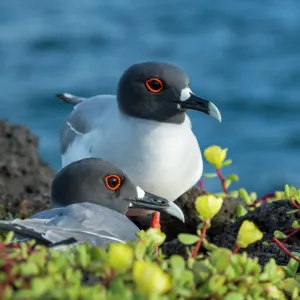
column 25, row 178
column 25, row 181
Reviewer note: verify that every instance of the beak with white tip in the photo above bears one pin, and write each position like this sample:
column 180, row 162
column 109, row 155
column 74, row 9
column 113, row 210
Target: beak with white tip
column 189, row 100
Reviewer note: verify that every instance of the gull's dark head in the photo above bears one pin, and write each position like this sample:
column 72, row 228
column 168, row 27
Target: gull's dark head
column 97, row 181
column 161, row 92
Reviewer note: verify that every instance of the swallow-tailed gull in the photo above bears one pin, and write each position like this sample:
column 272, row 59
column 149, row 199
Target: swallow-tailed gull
column 144, row 129
column 90, row 198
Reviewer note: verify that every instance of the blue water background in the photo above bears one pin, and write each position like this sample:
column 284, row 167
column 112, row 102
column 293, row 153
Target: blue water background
column 242, row 55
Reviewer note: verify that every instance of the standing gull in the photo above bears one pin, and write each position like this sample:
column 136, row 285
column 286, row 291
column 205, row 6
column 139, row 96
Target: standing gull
column 90, row 198
column 144, row 129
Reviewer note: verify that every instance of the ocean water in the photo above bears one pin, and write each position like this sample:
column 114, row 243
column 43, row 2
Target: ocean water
column 242, row 55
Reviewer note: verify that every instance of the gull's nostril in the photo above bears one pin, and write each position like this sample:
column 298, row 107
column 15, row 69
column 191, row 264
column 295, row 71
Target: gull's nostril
column 160, row 201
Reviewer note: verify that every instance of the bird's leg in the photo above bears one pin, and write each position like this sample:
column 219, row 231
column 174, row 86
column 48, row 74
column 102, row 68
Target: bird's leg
column 155, row 223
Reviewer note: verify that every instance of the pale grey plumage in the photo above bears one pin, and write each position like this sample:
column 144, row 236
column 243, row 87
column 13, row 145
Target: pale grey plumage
column 84, row 222
column 77, row 123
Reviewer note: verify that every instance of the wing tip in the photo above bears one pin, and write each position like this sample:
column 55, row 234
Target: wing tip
column 22, row 230
column 69, row 98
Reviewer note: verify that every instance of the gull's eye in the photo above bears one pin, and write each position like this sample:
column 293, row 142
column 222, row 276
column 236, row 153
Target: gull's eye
column 112, row 182
column 154, row 85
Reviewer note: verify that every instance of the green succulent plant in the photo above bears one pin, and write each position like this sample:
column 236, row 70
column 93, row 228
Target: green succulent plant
column 86, row 272
column 135, row 271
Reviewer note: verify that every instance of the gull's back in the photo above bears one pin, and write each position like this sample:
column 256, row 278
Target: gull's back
column 88, row 114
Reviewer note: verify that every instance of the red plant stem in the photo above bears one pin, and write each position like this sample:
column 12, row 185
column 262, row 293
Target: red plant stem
column 262, row 199
column 288, row 231
column 155, row 223
column 155, row 220
column 291, row 234
column 282, row 247
column 222, row 181
column 294, row 203
column 202, row 236
column 236, row 249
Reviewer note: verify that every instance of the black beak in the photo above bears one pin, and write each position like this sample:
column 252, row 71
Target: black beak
column 152, row 202
column 197, row 103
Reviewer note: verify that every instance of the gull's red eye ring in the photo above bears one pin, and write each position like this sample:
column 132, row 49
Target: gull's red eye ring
column 112, row 182
column 154, row 85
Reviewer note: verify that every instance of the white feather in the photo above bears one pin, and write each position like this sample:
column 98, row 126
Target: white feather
column 161, row 158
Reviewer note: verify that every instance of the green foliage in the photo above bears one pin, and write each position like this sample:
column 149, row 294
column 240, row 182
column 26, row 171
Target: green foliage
column 209, row 175
column 291, row 268
column 216, row 156
column 232, row 177
column 291, row 191
column 134, row 271
column 227, row 276
column 280, row 235
column 248, row 234
column 227, row 162
column 245, row 196
column 240, row 211
column 208, row 206
column 188, row 239
column 86, row 272
column 295, row 225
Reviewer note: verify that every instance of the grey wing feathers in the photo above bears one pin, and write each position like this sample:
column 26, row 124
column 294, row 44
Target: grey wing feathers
column 83, row 222
column 49, row 235
column 85, row 115
column 23, row 231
